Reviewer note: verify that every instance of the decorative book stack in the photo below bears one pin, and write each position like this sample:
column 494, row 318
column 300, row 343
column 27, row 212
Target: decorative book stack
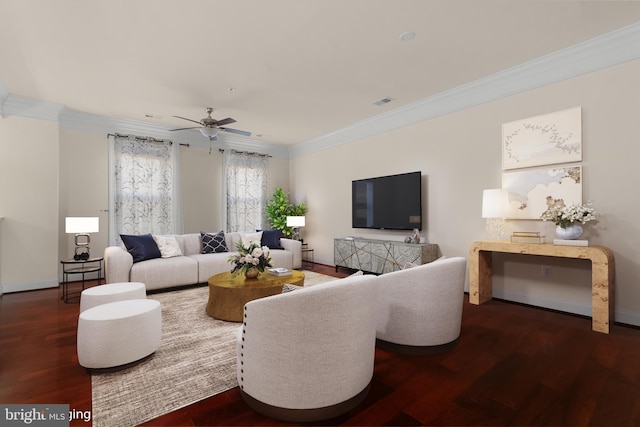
column 280, row 271
column 526, row 237
column 563, row 242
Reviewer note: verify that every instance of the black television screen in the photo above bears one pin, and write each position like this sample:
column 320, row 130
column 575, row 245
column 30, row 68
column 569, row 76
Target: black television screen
column 387, row 202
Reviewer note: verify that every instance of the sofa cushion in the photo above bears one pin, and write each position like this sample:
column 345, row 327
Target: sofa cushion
column 271, row 239
column 191, row 243
column 141, row 247
column 213, row 243
column 211, row 264
column 282, row 259
column 163, row 273
column 168, row 246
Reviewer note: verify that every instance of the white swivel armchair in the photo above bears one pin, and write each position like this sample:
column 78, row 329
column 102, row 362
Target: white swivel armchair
column 420, row 308
column 308, row 355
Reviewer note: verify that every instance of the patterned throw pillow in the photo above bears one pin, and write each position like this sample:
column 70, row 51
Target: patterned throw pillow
column 213, row 243
column 168, row 245
column 288, row 287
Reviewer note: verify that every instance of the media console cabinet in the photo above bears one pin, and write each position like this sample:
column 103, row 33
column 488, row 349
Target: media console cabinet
column 380, row 256
column 602, row 273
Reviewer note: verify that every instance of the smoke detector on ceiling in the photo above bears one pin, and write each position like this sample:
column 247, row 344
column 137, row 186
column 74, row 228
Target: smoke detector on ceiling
column 407, row 35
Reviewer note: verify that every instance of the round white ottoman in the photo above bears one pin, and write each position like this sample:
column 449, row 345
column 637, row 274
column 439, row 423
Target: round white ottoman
column 118, row 333
column 110, row 293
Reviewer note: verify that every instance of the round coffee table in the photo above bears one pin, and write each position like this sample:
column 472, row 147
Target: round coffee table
column 228, row 295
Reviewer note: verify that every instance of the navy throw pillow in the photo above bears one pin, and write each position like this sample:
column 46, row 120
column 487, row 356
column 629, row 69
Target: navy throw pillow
column 141, row 247
column 271, row 239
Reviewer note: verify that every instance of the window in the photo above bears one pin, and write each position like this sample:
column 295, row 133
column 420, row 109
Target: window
column 144, row 197
column 246, row 191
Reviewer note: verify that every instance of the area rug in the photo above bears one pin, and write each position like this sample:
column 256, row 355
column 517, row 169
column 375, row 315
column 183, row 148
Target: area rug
column 196, row 360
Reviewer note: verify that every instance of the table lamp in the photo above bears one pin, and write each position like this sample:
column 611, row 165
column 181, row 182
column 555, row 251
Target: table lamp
column 81, row 227
column 495, row 208
column 296, row 222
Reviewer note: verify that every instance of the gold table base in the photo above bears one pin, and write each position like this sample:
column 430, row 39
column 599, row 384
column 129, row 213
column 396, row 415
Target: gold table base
column 228, row 295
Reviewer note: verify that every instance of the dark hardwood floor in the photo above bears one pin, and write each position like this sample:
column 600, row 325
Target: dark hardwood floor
column 513, row 366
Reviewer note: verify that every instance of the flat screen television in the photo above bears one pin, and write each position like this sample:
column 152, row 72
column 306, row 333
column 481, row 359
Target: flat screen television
column 391, row 202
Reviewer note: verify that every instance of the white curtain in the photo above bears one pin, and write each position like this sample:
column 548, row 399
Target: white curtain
column 144, row 187
column 245, row 191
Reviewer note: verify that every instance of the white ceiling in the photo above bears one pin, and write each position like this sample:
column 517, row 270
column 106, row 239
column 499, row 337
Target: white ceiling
column 288, row 71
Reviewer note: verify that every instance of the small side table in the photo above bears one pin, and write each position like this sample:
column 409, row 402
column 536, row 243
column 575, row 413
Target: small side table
column 83, row 267
column 307, row 255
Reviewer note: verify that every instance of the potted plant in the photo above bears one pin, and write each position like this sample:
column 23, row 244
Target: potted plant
column 279, row 208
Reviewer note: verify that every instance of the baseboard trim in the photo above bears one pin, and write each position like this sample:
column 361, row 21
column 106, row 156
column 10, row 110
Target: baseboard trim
column 620, row 316
column 8, row 288
column 305, row 415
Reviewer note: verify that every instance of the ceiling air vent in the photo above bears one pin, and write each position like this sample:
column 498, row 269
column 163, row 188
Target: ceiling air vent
column 383, row 101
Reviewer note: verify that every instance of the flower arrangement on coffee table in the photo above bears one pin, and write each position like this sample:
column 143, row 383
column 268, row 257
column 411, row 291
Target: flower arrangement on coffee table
column 250, row 260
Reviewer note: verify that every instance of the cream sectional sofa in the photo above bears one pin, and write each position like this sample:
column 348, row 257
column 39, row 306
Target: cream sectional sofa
column 192, row 266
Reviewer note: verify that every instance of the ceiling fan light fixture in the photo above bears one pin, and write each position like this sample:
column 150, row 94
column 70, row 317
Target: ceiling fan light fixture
column 209, row 132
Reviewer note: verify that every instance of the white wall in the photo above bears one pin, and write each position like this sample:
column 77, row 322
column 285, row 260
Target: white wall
column 29, row 168
column 460, row 155
column 84, row 187
column 201, row 173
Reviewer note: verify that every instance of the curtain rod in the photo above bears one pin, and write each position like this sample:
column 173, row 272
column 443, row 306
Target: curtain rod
column 143, row 138
column 249, row 153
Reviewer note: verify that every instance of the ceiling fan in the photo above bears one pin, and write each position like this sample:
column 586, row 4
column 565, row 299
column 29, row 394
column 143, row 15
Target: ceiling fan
column 209, row 126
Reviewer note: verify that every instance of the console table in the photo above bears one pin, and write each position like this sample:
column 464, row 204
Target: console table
column 380, row 256
column 602, row 273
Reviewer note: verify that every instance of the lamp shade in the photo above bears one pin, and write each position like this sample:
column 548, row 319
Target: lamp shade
column 495, row 203
column 82, row 224
column 210, row 132
column 295, row 221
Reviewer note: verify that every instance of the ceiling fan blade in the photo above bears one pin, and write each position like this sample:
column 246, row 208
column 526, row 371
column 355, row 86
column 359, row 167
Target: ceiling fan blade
column 195, row 127
column 239, row 132
column 226, row 121
column 194, row 121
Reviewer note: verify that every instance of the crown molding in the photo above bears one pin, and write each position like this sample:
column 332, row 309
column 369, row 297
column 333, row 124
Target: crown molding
column 614, row 48
column 32, row 108
column 13, row 105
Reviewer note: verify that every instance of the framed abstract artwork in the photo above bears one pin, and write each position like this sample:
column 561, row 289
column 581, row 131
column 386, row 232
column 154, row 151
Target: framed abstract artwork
column 543, row 140
column 532, row 191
